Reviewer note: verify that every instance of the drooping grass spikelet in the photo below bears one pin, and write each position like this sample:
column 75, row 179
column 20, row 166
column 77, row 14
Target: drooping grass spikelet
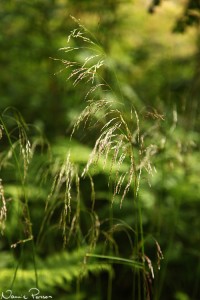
column 91, row 110
column 3, row 208
column 86, row 68
column 25, row 150
column 147, row 259
column 1, row 131
column 66, row 177
column 74, row 225
column 94, row 231
column 102, row 145
column 159, row 253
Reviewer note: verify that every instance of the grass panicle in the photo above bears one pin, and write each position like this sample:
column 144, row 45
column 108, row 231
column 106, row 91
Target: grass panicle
column 117, row 137
column 19, row 150
column 121, row 146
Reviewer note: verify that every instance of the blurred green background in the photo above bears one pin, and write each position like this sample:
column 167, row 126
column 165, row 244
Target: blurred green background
column 153, row 47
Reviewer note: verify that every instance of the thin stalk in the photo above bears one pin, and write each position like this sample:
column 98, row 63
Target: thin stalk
column 139, row 224
column 174, row 218
column 109, row 291
column 141, row 241
column 117, row 260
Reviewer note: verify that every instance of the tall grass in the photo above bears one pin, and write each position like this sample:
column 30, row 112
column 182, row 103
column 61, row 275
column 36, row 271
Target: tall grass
column 21, row 153
column 120, row 146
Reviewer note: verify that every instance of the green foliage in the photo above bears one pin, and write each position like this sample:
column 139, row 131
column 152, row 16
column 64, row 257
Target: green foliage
column 57, row 271
column 90, row 212
column 190, row 16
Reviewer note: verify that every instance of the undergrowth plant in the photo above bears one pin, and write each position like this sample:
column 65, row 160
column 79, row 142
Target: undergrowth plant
column 124, row 144
column 26, row 165
column 19, row 156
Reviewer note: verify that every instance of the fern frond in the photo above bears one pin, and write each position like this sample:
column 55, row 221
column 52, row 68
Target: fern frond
column 57, row 271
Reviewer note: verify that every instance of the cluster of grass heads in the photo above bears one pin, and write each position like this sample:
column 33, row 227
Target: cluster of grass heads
column 35, row 220
column 78, row 210
column 120, row 150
